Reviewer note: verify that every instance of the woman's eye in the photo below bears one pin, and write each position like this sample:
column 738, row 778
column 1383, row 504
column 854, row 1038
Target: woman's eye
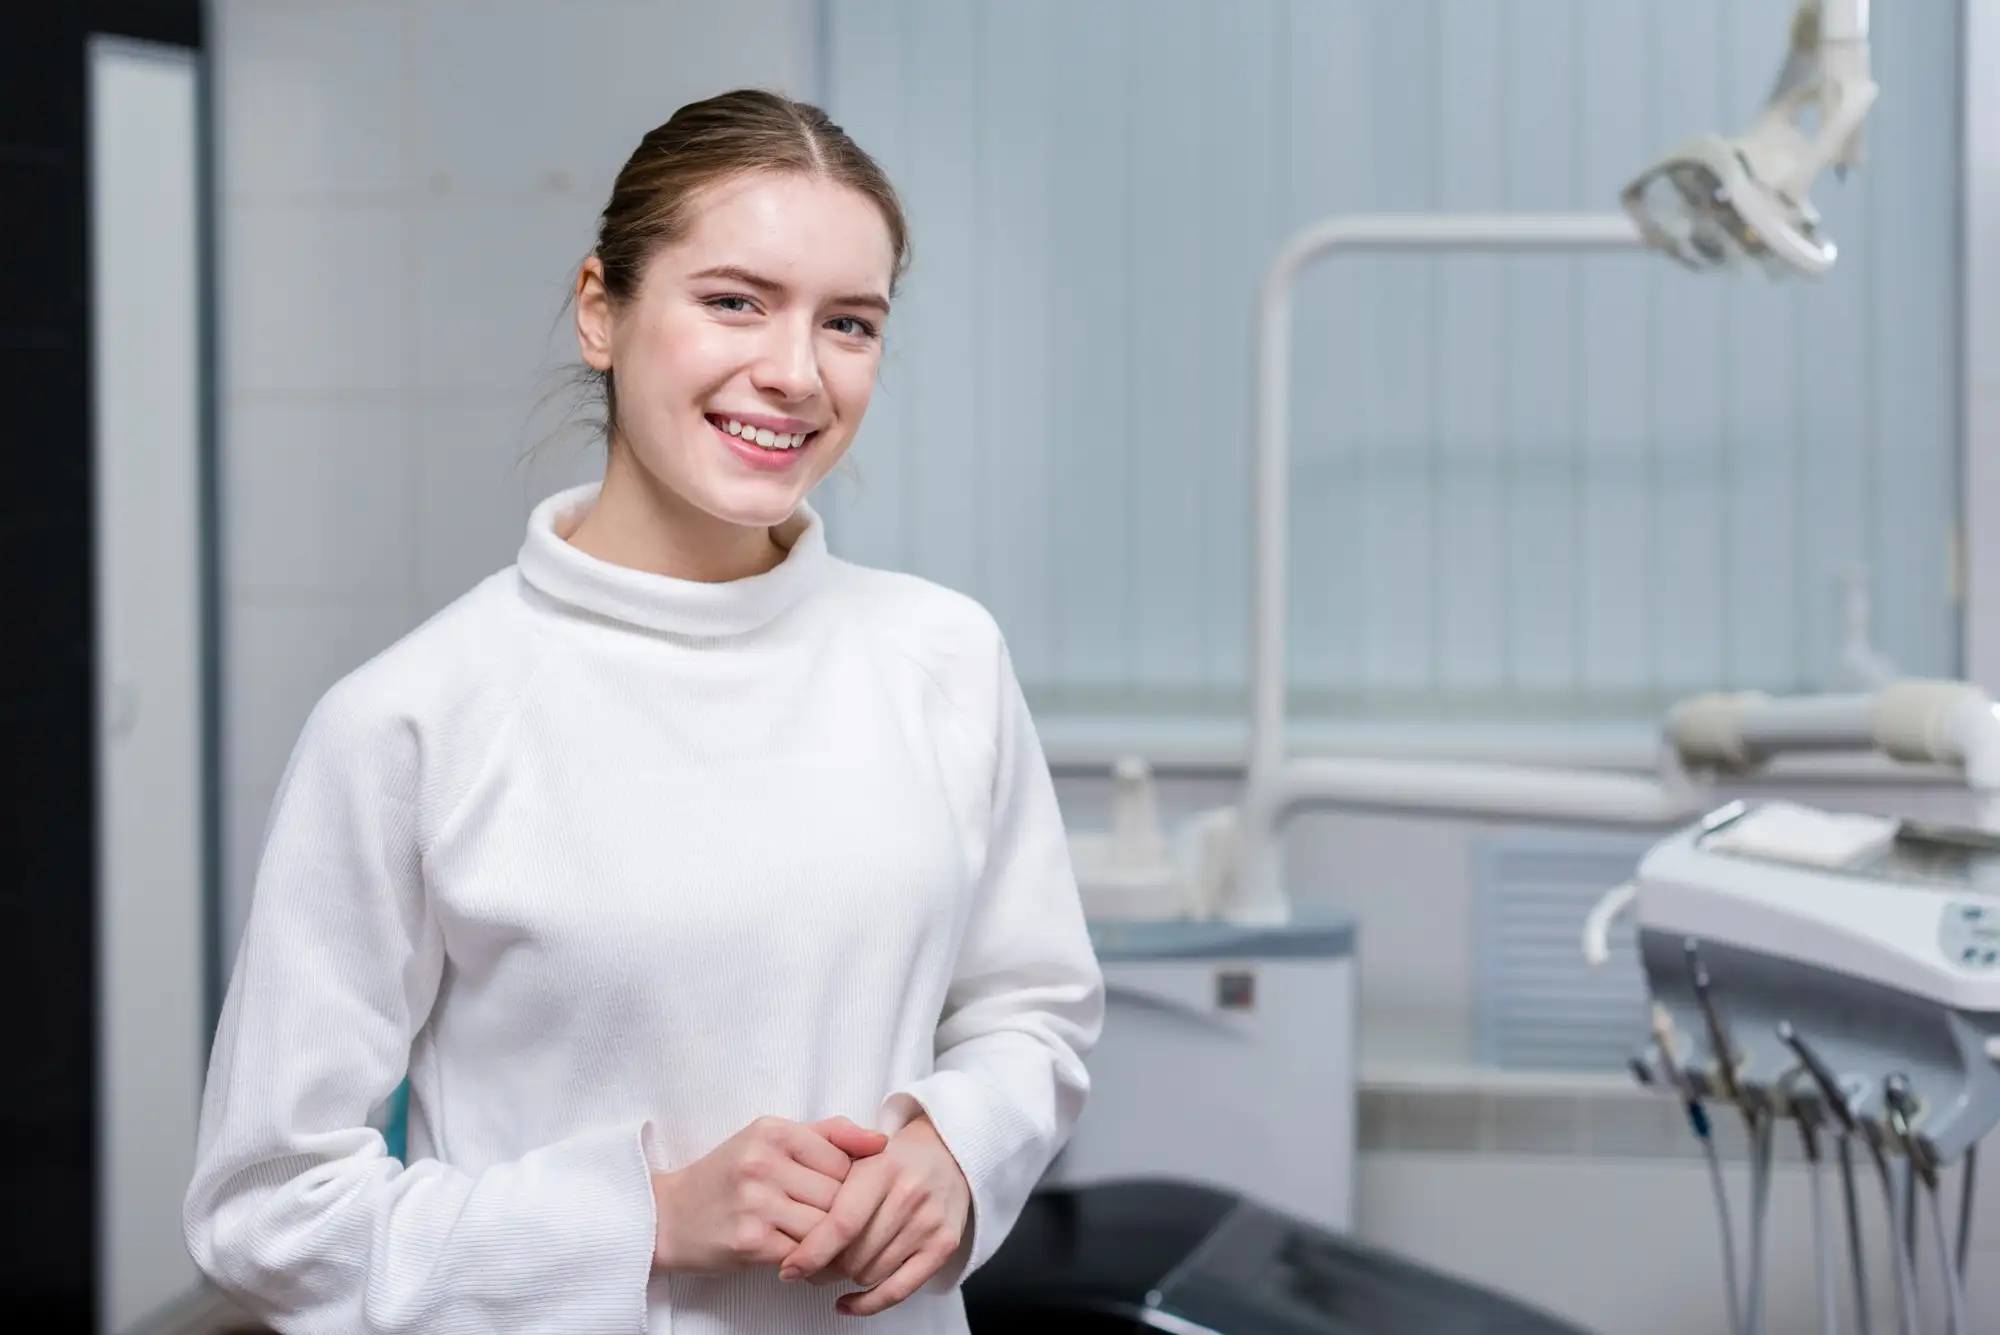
column 853, row 326
column 738, row 304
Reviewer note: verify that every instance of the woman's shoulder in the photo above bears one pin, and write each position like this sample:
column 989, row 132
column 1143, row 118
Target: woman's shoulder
column 950, row 635
column 455, row 670
column 918, row 608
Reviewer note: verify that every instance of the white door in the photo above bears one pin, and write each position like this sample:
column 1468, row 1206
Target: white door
column 146, row 339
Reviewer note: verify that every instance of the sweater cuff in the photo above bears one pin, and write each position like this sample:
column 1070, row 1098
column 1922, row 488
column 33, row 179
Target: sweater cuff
column 964, row 1119
column 605, row 1254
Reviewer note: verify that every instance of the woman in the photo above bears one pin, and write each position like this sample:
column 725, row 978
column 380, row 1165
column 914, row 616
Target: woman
column 667, row 860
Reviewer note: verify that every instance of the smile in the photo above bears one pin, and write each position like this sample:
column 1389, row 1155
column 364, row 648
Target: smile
column 762, row 437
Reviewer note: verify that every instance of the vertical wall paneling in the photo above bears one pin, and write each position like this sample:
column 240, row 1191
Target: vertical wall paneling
column 1979, row 320
column 1333, row 147
column 1522, row 487
column 1686, row 328
column 1017, row 200
column 1468, row 450
column 1616, row 378
column 1401, row 409
column 1087, row 338
column 1761, row 437
column 1166, row 183
column 948, row 448
column 869, row 89
column 1912, row 483
column 1540, row 125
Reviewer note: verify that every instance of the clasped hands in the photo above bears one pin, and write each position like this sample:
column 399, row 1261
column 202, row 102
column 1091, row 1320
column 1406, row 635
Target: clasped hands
column 825, row 1202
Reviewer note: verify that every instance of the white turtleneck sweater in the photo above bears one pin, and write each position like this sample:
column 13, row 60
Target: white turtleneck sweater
column 612, row 865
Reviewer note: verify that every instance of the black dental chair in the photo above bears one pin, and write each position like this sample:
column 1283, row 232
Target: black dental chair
column 1172, row 1256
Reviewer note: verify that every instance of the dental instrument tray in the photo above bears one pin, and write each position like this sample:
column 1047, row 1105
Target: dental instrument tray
column 1876, row 938
column 1838, row 976
column 1905, row 905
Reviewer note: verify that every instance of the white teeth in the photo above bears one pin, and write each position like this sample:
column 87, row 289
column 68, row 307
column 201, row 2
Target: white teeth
column 770, row 440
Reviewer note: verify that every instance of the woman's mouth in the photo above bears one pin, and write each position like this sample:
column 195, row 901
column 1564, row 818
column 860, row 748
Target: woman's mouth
column 760, row 446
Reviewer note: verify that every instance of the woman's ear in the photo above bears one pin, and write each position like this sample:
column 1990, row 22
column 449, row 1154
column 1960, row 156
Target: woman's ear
column 593, row 315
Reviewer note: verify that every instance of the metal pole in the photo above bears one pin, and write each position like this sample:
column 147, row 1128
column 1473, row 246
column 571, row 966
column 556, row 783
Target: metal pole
column 1271, row 373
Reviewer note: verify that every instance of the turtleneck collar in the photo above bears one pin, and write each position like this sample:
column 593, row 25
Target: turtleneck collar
column 660, row 602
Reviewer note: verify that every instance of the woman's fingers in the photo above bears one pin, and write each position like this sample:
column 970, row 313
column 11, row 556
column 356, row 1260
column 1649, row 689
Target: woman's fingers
column 794, row 1219
column 856, row 1142
column 863, row 1255
column 870, row 1270
column 805, row 1145
column 855, row 1204
column 912, row 1275
column 808, row 1186
column 890, row 1220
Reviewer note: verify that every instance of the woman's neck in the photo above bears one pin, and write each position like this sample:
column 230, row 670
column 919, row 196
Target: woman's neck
column 642, row 524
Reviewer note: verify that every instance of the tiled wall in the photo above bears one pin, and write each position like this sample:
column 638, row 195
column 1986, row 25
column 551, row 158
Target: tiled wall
column 407, row 187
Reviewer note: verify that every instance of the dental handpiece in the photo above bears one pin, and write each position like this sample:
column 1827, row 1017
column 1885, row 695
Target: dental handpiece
column 1834, row 1100
column 1901, row 1101
column 1808, row 1115
column 1906, row 1280
column 1965, row 1194
column 1830, row 1091
column 1718, row 1033
column 1663, row 1038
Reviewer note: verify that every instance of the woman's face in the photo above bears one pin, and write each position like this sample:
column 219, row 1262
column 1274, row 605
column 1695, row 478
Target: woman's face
column 744, row 364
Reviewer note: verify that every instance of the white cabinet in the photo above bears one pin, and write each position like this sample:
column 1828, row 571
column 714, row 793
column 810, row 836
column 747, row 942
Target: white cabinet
column 1228, row 1058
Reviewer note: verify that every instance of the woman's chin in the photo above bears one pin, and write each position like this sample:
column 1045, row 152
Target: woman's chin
column 756, row 502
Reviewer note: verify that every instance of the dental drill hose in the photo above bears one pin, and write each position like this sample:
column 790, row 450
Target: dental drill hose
column 1760, row 1213
column 1954, row 1275
column 1835, row 1099
column 1906, row 1279
column 1829, row 1319
column 1856, row 1255
column 1754, row 1123
column 1663, row 1037
column 1919, row 1157
column 1969, row 1180
column 1906, row 1282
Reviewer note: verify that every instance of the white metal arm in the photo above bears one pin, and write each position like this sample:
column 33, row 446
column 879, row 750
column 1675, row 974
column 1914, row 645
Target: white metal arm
column 1940, row 722
column 1276, row 788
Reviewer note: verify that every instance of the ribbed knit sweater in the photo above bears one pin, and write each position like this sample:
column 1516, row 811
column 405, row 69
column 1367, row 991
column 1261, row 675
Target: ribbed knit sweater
column 611, row 865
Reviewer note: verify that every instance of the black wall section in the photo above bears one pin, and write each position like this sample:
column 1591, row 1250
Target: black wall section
column 48, row 1218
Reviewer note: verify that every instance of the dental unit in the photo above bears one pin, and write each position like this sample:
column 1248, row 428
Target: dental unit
column 1811, row 973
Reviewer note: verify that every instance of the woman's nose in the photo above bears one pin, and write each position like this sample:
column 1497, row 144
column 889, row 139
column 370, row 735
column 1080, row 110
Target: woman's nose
column 789, row 368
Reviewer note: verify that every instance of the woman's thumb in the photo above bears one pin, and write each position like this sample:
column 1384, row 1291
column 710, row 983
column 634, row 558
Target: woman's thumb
column 857, row 1142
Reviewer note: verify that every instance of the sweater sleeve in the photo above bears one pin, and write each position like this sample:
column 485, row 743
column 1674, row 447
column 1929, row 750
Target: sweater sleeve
column 295, row 1208
column 1026, row 1002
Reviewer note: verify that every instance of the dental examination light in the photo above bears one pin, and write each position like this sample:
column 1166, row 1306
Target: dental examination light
column 1717, row 202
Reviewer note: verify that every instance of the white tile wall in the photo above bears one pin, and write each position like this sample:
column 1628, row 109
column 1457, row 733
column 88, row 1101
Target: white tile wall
column 313, row 296
column 407, row 188
column 300, row 470
column 492, row 280
column 316, row 103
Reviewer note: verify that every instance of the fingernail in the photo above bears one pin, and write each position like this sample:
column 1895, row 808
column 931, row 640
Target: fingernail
column 789, row 1273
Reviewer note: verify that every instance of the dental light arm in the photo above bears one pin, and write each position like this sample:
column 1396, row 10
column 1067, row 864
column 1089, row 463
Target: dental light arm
column 1715, row 201
column 1947, row 723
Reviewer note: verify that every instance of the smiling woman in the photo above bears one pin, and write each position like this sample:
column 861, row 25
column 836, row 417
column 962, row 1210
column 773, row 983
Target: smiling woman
column 711, row 891
column 742, row 274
